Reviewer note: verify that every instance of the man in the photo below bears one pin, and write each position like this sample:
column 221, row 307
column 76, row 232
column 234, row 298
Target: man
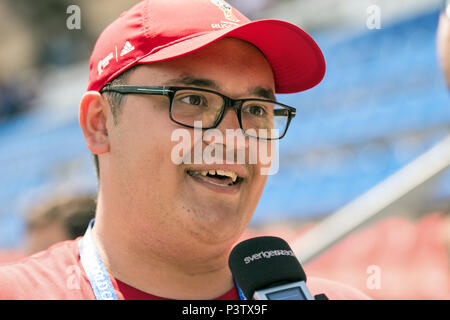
column 164, row 227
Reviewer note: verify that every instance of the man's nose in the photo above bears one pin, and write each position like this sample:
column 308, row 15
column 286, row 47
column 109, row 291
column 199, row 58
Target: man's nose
column 229, row 126
column 233, row 136
column 229, row 120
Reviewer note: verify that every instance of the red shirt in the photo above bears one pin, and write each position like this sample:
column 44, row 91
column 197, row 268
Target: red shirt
column 57, row 273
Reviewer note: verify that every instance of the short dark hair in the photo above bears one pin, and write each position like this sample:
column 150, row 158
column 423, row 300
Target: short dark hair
column 115, row 101
column 73, row 212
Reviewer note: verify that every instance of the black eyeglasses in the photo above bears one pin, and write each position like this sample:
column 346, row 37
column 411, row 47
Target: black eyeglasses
column 258, row 118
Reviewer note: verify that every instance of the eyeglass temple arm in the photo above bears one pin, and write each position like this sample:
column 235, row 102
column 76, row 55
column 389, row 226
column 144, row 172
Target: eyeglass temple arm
column 283, row 112
column 136, row 89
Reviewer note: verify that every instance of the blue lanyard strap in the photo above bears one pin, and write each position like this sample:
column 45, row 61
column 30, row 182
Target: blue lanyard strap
column 94, row 267
column 241, row 294
column 96, row 272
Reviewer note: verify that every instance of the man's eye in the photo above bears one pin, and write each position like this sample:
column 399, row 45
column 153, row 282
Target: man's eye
column 256, row 110
column 195, row 100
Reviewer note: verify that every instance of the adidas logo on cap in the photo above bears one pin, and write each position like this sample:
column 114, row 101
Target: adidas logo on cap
column 127, row 48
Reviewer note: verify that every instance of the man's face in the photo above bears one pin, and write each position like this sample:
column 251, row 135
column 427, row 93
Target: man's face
column 164, row 202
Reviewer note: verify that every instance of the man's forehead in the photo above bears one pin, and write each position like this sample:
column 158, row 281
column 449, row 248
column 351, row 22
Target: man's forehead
column 239, row 62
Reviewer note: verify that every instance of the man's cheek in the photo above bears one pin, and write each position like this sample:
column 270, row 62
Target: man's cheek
column 267, row 157
column 186, row 145
column 254, row 189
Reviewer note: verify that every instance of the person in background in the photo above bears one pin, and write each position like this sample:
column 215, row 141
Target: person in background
column 58, row 220
column 54, row 221
column 443, row 41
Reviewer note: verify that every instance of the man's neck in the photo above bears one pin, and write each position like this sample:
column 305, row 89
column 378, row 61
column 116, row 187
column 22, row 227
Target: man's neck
column 150, row 271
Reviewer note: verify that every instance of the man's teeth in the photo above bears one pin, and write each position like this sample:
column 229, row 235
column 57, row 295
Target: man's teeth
column 225, row 173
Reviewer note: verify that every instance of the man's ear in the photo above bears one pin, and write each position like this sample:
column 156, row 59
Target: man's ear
column 92, row 118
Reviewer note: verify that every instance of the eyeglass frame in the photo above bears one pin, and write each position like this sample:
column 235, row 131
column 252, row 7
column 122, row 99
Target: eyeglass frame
column 170, row 91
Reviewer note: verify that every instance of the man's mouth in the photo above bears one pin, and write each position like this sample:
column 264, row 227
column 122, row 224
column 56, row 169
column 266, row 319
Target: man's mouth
column 221, row 178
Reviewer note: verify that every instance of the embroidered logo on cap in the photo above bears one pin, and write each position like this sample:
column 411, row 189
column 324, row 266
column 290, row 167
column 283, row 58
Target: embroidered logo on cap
column 226, row 9
column 127, row 48
column 103, row 63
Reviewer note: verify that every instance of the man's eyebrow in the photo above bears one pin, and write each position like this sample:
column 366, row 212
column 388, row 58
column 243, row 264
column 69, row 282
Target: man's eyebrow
column 186, row 79
column 263, row 92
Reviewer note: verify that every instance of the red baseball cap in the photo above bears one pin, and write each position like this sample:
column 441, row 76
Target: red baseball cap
column 158, row 30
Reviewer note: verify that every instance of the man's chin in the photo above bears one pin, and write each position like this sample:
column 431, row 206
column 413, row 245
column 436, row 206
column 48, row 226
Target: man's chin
column 219, row 211
column 215, row 221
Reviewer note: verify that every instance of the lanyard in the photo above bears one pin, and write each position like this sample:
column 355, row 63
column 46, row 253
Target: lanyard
column 241, row 294
column 96, row 272
column 94, row 267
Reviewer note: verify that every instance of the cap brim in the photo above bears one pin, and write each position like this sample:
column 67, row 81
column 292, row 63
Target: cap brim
column 296, row 60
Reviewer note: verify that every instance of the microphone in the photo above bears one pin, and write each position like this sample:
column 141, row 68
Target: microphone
column 265, row 268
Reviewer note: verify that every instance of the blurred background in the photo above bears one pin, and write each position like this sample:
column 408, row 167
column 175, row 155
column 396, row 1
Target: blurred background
column 363, row 190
